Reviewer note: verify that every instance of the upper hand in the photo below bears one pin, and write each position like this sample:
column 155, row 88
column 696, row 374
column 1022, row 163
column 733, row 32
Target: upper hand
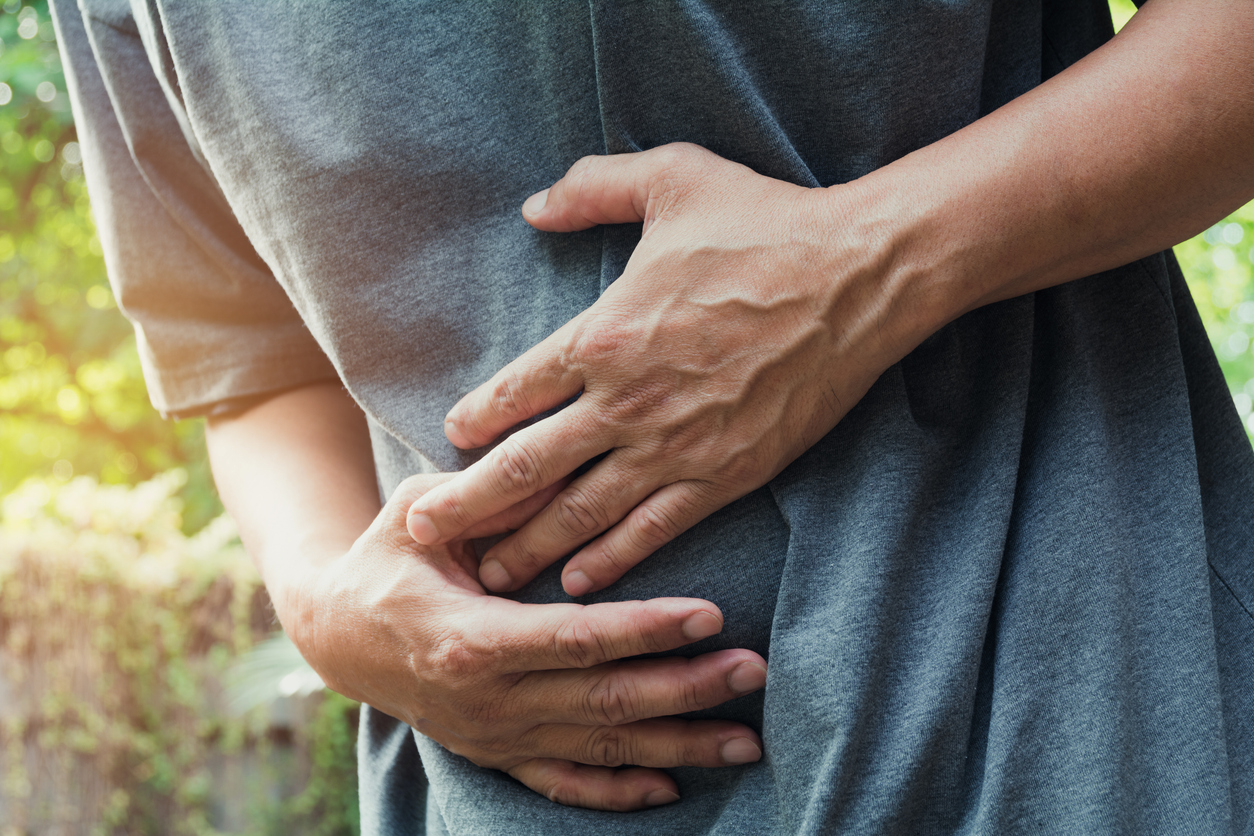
column 535, row 690
column 745, row 325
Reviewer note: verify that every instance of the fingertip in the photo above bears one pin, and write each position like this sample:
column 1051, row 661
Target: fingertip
column 462, row 434
column 534, row 205
column 453, row 432
column 576, row 583
column 740, row 750
column 421, row 528
column 494, row 576
column 747, row 677
column 701, row 625
column 659, row 797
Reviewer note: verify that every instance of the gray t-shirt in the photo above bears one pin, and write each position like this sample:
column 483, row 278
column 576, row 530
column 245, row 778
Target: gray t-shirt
column 1010, row 592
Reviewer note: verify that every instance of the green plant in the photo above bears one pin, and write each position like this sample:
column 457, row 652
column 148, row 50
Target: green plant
column 117, row 631
column 72, row 397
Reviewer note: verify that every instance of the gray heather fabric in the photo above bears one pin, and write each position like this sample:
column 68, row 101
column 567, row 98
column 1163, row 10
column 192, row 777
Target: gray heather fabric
column 1009, row 593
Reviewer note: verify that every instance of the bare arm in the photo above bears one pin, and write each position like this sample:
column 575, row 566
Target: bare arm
column 303, row 449
column 535, row 690
column 754, row 314
column 1137, row 147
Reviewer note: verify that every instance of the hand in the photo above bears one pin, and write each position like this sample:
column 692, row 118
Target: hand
column 743, row 328
column 535, row 690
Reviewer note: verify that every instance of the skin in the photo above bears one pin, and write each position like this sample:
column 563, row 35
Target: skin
column 535, row 690
column 754, row 314
column 751, row 317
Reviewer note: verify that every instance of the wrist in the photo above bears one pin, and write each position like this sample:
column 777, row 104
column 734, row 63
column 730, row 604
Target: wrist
column 892, row 263
column 296, row 583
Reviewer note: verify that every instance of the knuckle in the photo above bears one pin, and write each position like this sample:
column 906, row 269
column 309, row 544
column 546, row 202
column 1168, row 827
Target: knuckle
column 462, row 671
column 655, row 525
column 609, row 747
column 610, row 703
column 458, row 655
column 509, row 396
column 610, row 563
column 677, row 164
column 680, row 155
column 582, row 168
column 603, row 341
column 577, row 645
column 689, row 752
column 517, row 468
column 579, row 515
column 452, row 659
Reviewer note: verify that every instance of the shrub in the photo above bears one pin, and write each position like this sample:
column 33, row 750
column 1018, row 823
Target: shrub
column 115, row 631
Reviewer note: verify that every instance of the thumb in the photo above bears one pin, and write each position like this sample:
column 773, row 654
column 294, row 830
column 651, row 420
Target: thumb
column 616, row 189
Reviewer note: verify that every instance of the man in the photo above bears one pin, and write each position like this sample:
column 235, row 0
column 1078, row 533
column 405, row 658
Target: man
column 992, row 543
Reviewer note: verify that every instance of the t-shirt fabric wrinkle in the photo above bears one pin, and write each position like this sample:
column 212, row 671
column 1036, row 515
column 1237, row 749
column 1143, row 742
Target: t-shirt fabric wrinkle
column 1010, row 592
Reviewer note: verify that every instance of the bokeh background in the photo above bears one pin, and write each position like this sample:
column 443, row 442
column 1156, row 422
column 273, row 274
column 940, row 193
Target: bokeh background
column 143, row 687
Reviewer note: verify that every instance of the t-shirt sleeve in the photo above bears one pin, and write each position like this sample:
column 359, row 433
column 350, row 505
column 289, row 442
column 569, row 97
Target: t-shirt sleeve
column 214, row 328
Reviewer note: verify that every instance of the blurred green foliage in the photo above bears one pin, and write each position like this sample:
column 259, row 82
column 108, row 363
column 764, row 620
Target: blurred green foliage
column 1121, row 12
column 72, row 400
column 1219, row 265
column 114, row 625
column 116, row 634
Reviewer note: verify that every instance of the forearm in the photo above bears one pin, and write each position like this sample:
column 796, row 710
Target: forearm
column 754, row 314
column 296, row 473
column 1142, row 144
column 409, row 631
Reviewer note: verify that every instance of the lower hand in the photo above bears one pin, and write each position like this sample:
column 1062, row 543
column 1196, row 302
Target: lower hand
column 751, row 317
column 539, row 691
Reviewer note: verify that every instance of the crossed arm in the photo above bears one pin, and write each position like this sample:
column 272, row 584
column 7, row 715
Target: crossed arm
column 751, row 317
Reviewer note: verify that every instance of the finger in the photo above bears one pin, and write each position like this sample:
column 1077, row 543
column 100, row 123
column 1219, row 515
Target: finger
column 521, row 638
column 652, row 524
column 413, row 487
column 596, row 787
column 590, row 505
column 610, row 189
column 625, row 692
column 663, row 743
column 524, row 464
column 536, row 381
column 517, row 515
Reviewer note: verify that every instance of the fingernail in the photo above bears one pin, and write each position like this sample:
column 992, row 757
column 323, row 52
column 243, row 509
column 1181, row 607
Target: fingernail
column 494, row 576
column 701, row 625
column 746, row 677
column 535, row 203
column 659, row 797
column 740, row 750
column 576, row 583
column 422, row 529
column 453, row 434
